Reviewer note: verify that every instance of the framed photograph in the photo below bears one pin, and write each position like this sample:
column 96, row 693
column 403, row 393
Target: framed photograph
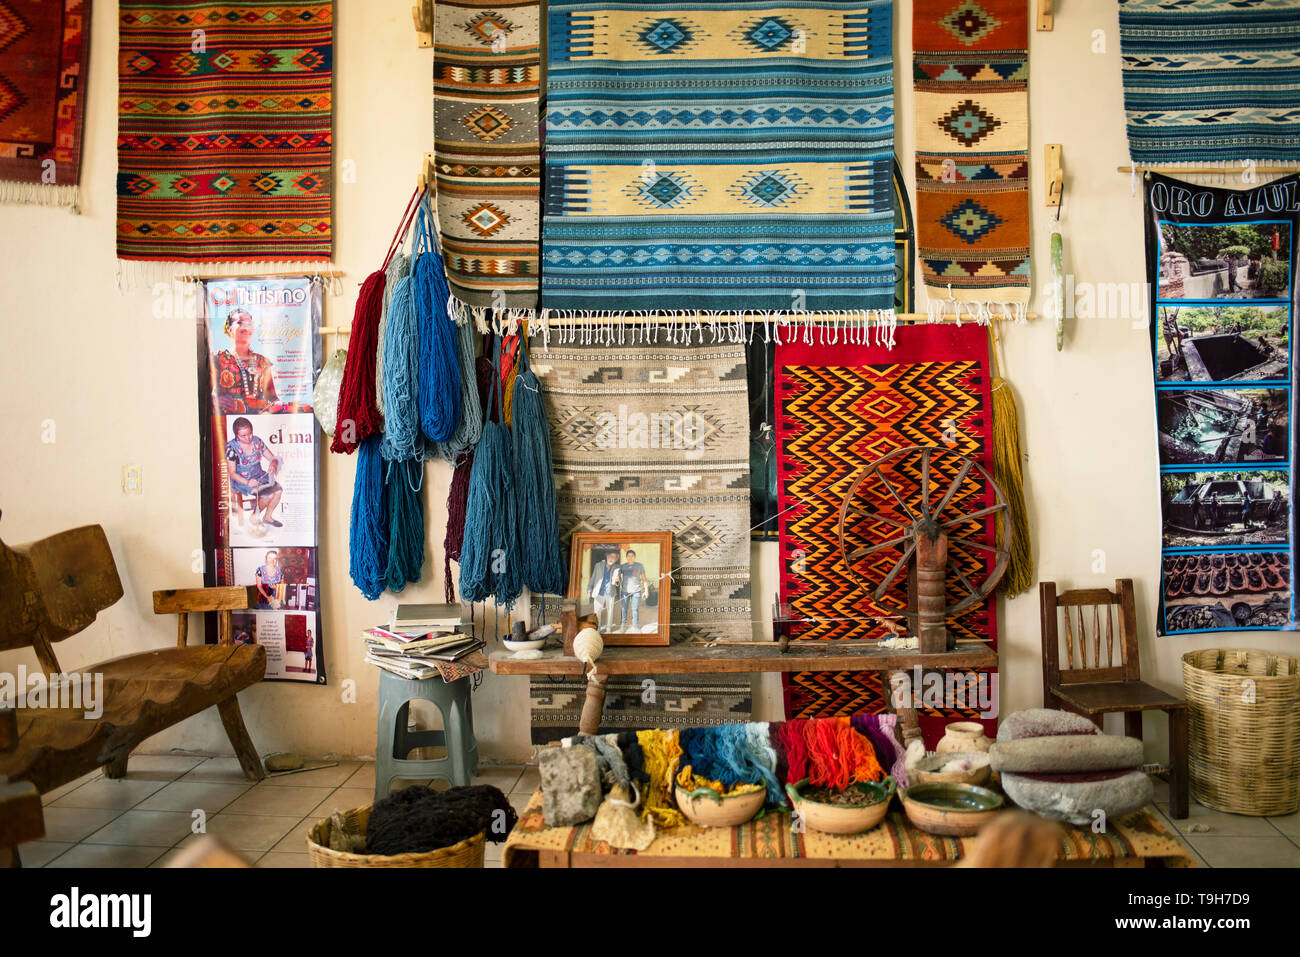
column 623, row 579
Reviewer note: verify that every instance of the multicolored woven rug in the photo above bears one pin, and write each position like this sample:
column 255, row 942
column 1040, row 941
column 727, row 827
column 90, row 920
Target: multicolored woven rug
column 486, row 81
column 43, row 52
column 837, row 411
column 1211, row 80
column 718, row 155
column 971, row 82
column 693, row 482
column 224, row 152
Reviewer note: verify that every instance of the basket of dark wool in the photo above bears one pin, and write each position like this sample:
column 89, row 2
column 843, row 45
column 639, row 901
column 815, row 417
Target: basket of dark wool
column 414, row 827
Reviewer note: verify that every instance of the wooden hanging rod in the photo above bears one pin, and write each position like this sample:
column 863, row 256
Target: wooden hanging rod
column 1265, row 168
column 334, row 330
column 309, row 273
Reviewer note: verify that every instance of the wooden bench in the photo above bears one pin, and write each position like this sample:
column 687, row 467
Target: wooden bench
column 53, row 589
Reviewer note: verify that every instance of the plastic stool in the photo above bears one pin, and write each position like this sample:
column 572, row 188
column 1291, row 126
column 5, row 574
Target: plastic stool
column 396, row 742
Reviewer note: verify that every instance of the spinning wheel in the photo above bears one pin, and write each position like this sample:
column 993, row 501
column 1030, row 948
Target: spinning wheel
column 893, row 498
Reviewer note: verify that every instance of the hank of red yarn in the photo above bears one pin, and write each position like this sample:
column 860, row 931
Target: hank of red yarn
column 358, row 404
column 857, row 756
column 790, row 737
column 824, row 766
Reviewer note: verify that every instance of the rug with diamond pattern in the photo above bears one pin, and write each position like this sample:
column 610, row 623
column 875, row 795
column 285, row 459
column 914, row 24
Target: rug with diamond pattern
column 655, row 438
column 225, row 131
column 486, row 81
column 970, row 74
column 837, row 411
column 718, row 155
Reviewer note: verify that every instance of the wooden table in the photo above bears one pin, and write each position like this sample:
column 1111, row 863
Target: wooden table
column 757, row 657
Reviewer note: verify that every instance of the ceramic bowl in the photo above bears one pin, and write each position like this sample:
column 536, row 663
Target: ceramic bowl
column 707, row 808
column 844, row 818
column 956, row 810
column 533, row 645
column 927, row 771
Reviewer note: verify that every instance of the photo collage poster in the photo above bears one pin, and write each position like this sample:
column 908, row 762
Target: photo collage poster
column 259, row 354
column 1221, row 267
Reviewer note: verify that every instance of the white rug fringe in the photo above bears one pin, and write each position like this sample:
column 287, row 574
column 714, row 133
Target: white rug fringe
column 41, row 194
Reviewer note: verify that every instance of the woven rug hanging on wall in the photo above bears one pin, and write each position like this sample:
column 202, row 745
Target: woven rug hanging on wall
column 1211, row 80
column 611, row 474
column 971, row 83
column 486, row 82
column 43, row 54
column 224, row 152
column 719, row 156
column 838, row 411
column 1221, row 269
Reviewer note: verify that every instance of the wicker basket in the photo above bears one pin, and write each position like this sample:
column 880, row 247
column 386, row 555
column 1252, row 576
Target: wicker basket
column 468, row 853
column 1244, row 754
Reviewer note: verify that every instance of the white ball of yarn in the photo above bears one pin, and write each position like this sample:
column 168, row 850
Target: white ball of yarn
column 588, row 645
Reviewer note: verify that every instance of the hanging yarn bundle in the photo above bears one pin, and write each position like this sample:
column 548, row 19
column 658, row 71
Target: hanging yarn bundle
column 489, row 562
column 358, row 415
column 545, row 571
column 439, row 366
column 401, row 356
column 405, row 524
column 368, row 535
column 1008, row 472
column 473, row 392
column 397, row 269
column 837, row 755
column 453, row 540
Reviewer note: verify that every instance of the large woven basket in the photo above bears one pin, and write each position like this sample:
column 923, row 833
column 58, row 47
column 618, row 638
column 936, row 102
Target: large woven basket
column 1244, row 727
column 468, row 853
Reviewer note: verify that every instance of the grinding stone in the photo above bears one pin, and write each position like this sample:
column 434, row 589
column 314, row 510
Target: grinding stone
column 1076, row 802
column 1036, row 722
column 283, row 762
column 1066, row 752
column 571, row 788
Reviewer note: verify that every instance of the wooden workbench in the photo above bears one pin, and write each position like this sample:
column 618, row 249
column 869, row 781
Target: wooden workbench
column 756, row 657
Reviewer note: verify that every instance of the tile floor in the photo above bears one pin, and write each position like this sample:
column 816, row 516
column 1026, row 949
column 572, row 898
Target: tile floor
column 144, row 819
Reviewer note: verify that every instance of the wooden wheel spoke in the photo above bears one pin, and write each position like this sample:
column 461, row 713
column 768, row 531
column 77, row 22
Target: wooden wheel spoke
column 956, row 484
column 964, row 580
column 871, row 549
column 981, row 513
column 893, row 572
column 897, row 498
column 925, row 482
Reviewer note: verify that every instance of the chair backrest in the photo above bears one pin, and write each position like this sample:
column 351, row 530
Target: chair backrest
column 53, row 588
column 1089, row 634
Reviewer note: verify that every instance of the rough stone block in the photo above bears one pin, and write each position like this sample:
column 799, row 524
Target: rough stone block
column 571, row 788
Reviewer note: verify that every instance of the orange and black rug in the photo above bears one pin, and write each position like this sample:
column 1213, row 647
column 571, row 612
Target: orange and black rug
column 838, row 410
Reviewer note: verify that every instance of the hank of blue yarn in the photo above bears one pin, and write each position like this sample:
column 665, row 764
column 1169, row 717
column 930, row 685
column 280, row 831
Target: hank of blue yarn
column 439, row 366
column 368, row 534
column 470, row 429
column 544, row 571
column 405, row 523
column 479, row 566
column 401, row 353
column 726, row 754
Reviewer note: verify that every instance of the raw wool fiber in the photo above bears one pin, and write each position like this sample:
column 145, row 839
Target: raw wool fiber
column 690, row 478
column 417, row 819
column 836, row 412
column 719, row 155
column 43, row 55
column 971, row 83
column 225, row 154
column 1008, row 472
column 486, row 141
column 1209, row 81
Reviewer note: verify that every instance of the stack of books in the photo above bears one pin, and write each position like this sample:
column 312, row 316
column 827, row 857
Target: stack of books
column 421, row 641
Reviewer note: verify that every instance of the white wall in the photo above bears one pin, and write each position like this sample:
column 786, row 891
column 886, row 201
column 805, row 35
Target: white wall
column 119, row 387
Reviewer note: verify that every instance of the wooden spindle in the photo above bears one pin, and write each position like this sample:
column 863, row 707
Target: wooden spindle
column 1110, row 638
column 1096, row 635
column 1069, row 639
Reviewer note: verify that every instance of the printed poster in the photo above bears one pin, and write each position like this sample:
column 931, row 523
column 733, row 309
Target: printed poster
column 1221, row 266
column 260, row 354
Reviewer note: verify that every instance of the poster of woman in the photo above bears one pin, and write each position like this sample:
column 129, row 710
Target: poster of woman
column 260, row 354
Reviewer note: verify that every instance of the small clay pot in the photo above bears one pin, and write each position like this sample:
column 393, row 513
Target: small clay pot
column 844, row 818
column 963, row 736
column 707, row 808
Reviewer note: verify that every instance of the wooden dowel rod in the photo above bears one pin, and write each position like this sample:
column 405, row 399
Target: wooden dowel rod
column 790, row 321
column 309, row 273
column 334, row 330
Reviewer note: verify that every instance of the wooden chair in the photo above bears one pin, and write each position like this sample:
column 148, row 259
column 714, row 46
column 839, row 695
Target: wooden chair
column 53, row 589
column 1106, row 684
